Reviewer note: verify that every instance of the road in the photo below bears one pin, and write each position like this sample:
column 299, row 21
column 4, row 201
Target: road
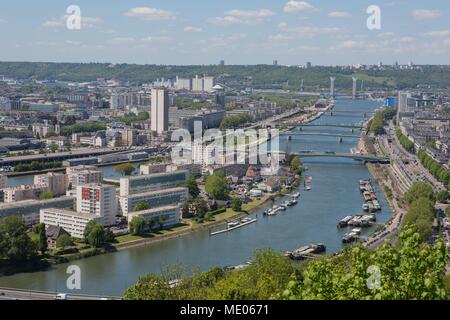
column 18, row 294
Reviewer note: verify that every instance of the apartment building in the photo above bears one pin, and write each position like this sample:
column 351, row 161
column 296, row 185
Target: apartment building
column 23, row 192
column 81, row 175
column 55, row 182
column 99, row 200
column 72, row 222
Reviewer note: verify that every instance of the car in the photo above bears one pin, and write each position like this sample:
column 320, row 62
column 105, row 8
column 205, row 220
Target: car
column 61, row 296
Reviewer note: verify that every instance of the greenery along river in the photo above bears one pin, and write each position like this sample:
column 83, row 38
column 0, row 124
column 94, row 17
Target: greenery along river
column 335, row 194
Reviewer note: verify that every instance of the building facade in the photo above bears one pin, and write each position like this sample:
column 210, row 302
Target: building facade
column 160, row 110
column 152, row 182
column 99, row 200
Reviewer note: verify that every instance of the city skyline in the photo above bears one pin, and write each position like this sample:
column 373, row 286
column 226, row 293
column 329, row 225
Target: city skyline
column 254, row 32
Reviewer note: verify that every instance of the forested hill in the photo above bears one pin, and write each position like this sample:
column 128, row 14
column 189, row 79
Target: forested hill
column 261, row 76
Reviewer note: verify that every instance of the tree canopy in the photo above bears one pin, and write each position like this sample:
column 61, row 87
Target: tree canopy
column 216, row 186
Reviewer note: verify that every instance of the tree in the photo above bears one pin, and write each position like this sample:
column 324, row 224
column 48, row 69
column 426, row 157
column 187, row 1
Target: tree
column 87, row 230
column 161, row 221
column 216, row 186
column 42, row 242
column 193, row 188
column 97, row 236
column 236, row 204
column 46, row 195
column 419, row 190
column 421, row 214
column 63, row 241
column 109, row 235
column 137, row 225
column 141, row 206
column 296, row 165
column 409, row 271
column 442, row 196
column 447, row 211
column 15, row 244
column 54, row 147
column 126, row 169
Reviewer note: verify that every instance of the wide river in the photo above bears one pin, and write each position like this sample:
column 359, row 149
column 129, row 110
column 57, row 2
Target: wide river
column 335, row 194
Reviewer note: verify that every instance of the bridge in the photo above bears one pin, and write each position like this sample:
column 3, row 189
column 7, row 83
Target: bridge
column 324, row 134
column 359, row 157
column 349, row 126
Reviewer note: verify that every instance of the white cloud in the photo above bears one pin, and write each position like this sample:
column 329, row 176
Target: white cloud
column 339, row 14
column 438, row 33
column 122, row 40
column 310, row 31
column 151, row 14
column 242, row 16
column 61, row 22
column 156, row 39
column 297, row 6
column 426, row 14
column 192, row 29
column 3, row 21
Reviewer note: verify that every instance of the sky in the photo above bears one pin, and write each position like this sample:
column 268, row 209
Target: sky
column 202, row 32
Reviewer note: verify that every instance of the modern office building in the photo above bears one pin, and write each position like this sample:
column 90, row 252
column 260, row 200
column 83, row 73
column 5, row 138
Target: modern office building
column 159, row 110
column 55, row 182
column 194, row 169
column 154, row 199
column 83, row 174
column 169, row 216
column 29, row 210
column 152, row 182
column 71, row 221
column 99, row 200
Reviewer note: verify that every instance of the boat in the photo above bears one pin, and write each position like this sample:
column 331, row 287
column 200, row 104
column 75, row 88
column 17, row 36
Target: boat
column 295, row 195
column 344, row 222
column 365, row 207
column 283, row 207
column 308, row 188
column 356, row 231
column 232, row 224
column 306, row 251
column 350, row 237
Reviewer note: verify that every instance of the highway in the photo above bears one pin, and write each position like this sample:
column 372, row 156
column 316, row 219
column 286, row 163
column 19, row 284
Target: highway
column 19, row 294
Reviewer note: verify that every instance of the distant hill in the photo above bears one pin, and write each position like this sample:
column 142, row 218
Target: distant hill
column 258, row 76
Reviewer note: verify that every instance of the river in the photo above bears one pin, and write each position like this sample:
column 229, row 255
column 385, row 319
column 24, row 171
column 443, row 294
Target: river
column 335, row 194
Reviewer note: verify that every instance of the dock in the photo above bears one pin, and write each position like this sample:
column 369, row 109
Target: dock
column 233, row 228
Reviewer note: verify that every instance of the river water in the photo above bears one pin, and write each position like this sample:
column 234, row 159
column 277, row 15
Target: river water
column 334, row 195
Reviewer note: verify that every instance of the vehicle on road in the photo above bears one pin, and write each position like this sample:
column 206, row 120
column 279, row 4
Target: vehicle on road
column 61, row 296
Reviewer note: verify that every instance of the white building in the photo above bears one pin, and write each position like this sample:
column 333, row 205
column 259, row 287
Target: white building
column 71, row 221
column 197, row 84
column 23, row 192
column 146, row 169
column 168, row 215
column 183, row 84
column 154, row 199
column 152, row 182
column 208, row 84
column 83, row 174
column 159, row 114
column 55, row 182
column 99, row 200
column 194, row 169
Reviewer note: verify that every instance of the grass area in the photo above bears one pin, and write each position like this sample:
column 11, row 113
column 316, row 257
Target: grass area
column 155, row 234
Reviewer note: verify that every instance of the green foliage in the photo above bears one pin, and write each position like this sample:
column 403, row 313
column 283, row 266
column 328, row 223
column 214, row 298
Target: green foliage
column 193, row 188
column 442, row 196
column 216, row 186
column 421, row 214
column 92, row 126
column 141, row 206
column 46, row 195
column 264, row 279
column 63, row 241
column 188, row 103
column 407, row 272
column 39, row 229
column 35, row 166
column 404, row 141
column 380, row 118
column 419, row 190
column 235, row 121
column 141, row 116
column 447, row 211
column 15, row 244
column 96, row 237
column 434, row 167
column 236, row 204
column 126, row 169
column 296, row 165
column 137, row 225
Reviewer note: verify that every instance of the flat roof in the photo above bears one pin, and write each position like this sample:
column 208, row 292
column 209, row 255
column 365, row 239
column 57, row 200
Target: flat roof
column 137, row 195
column 152, row 210
column 71, row 213
column 34, row 201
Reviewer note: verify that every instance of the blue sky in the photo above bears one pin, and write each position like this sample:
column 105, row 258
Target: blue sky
column 326, row 32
